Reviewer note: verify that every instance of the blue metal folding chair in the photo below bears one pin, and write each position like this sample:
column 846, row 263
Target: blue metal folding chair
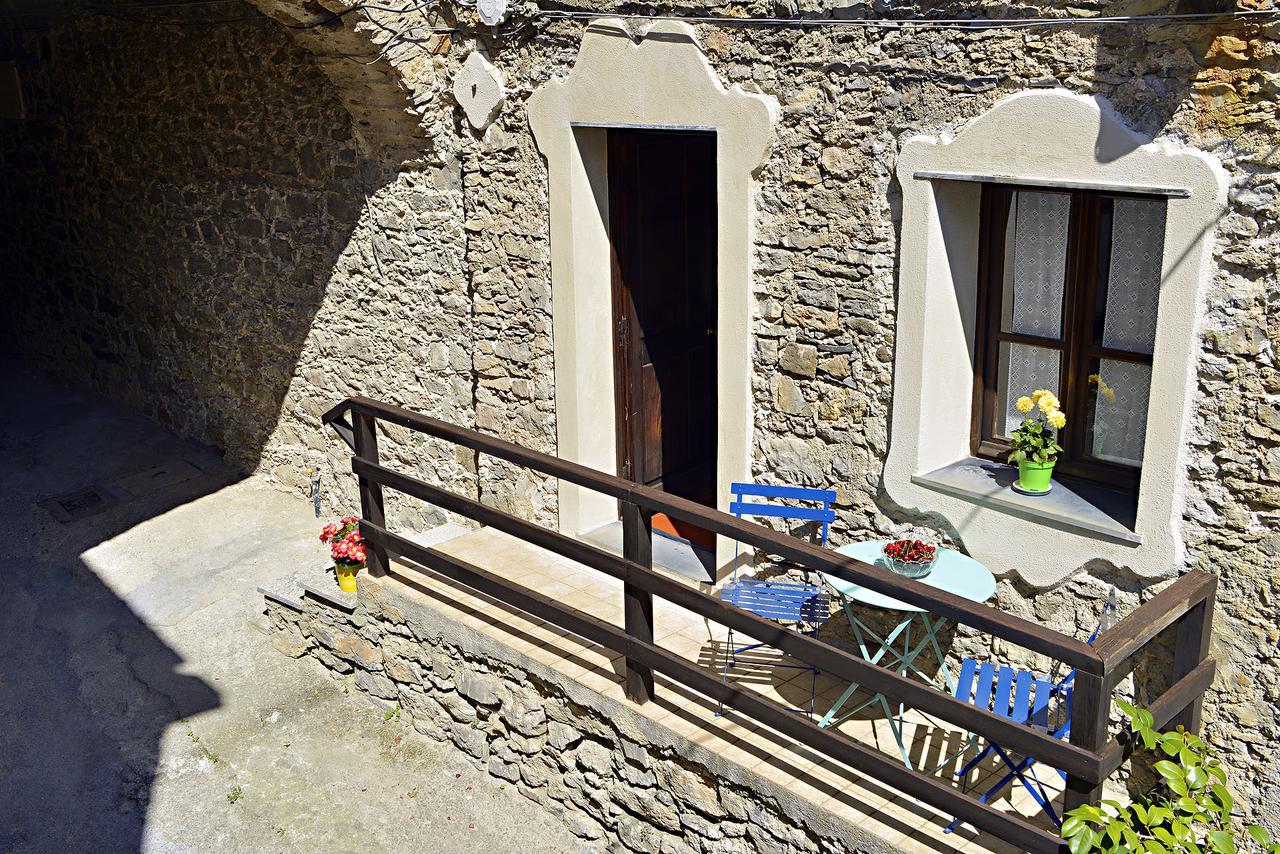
column 1025, row 698
column 803, row 604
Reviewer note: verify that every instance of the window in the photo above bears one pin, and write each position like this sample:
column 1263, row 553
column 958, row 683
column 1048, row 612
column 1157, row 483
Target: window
column 1068, row 287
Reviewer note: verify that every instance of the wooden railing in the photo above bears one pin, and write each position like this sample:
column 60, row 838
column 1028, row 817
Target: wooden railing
column 1088, row 758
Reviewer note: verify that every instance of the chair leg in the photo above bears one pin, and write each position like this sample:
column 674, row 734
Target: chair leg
column 724, row 676
column 1015, row 771
column 1037, row 791
column 973, row 763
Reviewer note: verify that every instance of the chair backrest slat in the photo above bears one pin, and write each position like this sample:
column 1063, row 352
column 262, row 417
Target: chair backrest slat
column 1003, row 685
column 740, row 508
column 1040, row 708
column 983, row 695
column 809, row 514
column 795, row 493
column 1022, row 697
column 964, row 685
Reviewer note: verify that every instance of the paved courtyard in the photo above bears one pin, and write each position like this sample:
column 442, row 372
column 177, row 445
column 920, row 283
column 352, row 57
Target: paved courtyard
column 141, row 704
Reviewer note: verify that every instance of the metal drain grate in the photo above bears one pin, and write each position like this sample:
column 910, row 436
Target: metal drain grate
column 77, row 505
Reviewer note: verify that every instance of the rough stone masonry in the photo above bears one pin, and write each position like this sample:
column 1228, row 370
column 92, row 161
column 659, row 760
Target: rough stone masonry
column 234, row 230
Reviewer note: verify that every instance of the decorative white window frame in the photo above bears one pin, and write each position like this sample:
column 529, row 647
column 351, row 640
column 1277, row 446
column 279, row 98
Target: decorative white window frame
column 1050, row 138
column 657, row 79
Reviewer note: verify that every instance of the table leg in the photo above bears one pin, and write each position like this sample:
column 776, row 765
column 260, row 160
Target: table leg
column 886, row 647
column 933, row 628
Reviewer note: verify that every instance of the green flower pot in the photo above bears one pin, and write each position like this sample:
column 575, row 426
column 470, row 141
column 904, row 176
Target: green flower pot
column 1033, row 476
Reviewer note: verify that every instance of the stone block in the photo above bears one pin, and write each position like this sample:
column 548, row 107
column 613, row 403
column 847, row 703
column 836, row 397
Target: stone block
column 358, row 650
column 479, row 688
column 594, row 756
column 799, row 359
column 693, row 789
column 290, row 640
column 561, row 736
column 377, row 685
column 471, row 740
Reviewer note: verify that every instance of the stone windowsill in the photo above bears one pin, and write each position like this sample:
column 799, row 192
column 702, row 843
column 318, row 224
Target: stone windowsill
column 1076, row 509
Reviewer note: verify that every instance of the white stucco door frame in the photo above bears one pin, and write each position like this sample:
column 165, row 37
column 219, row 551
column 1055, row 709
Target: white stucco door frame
column 659, row 79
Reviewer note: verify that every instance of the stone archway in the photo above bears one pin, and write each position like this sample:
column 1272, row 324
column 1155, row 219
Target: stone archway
column 379, row 92
column 660, row 79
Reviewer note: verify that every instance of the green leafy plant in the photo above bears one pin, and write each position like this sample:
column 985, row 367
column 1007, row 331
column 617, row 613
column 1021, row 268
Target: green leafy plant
column 1188, row 811
column 235, row 794
column 1036, row 439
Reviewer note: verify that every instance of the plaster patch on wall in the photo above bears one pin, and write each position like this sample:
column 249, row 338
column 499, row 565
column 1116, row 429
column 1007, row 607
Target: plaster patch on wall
column 479, row 91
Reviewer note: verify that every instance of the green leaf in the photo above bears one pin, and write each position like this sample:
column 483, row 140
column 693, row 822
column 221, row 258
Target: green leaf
column 1259, row 834
column 1082, row 841
column 1155, row 847
column 1144, row 719
column 1165, row 836
column 1197, row 777
column 1171, row 743
column 1222, row 842
column 1169, row 770
column 1072, row 825
column 1113, row 833
column 1225, row 801
column 1148, row 738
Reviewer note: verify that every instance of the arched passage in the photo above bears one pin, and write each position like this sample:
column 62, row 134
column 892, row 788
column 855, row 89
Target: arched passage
column 193, row 215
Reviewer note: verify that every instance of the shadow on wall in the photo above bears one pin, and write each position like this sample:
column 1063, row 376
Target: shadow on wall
column 173, row 207
column 1149, row 79
column 87, row 688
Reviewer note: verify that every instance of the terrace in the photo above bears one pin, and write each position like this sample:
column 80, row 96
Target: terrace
column 648, row 648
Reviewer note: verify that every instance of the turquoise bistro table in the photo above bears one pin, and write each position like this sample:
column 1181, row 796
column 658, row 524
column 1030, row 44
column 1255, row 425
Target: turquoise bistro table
column 916, row 629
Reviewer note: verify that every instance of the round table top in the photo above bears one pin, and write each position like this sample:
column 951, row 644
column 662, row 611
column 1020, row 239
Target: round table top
column 952, row 571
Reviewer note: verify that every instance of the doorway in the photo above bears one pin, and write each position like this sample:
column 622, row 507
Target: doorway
column 662, row 232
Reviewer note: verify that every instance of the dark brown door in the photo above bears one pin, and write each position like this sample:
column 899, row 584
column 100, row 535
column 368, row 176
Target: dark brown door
column 662, row 224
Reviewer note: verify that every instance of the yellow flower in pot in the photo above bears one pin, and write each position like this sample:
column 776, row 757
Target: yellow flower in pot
column 1035, row 442
column 347, row 548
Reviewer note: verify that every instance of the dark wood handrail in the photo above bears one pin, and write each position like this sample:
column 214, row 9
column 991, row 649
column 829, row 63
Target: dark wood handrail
column 824, row 656
column 1121, row 642
column 1010, row 827
column 1023, row 632
column 1088, row 758
column 1163, row 709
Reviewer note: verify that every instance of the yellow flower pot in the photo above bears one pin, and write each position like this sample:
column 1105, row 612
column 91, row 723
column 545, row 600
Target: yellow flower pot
column 347, row 575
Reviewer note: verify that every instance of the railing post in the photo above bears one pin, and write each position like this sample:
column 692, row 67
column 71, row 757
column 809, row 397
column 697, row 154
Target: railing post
column 371, row 509
column 1191, row 647
column 637, row 546
column 1090, row 713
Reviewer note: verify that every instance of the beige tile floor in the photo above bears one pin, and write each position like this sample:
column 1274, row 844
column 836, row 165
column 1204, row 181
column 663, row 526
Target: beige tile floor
column 897, row 818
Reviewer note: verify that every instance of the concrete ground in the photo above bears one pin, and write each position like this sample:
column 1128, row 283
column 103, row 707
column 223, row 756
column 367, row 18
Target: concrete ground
column 141, row 705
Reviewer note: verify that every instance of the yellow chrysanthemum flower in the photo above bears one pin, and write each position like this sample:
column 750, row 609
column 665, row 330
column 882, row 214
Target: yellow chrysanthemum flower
column 1039, row 393
column 1094, row 378
column 1024, row 404
column 1048, row 403
column 1056, row 419
column 1109, row 393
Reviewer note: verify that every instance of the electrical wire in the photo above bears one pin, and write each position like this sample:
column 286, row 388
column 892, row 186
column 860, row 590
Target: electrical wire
column 1186, row 18
column 113, row 10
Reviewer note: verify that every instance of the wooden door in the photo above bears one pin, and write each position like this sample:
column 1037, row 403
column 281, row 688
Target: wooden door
column 662, row 225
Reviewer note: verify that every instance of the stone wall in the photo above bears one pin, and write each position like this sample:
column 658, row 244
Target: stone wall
column 191, row 226
column 436, row 293
column 618, row 780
